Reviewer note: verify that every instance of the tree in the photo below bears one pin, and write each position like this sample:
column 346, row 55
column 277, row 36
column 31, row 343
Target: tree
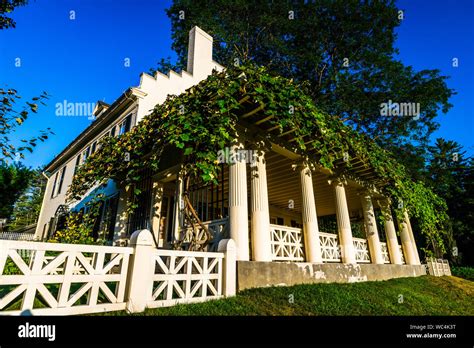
column 11, row 119
column 14, row 180
column 6, row 7
column 28, row 206
column 450, row 174
column 345, row 49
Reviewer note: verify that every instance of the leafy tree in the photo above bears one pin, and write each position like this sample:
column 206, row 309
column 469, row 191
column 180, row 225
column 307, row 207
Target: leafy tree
column 14, row 180
column 11, row 119
column 450, row 173
column 28, row 206
column 6, row 7
column 80, row 225
column 345, row 49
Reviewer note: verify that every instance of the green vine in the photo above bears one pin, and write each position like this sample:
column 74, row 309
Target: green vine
column 202, row 121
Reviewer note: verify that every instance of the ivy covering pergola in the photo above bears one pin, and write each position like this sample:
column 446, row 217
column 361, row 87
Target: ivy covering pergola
column 208, row 118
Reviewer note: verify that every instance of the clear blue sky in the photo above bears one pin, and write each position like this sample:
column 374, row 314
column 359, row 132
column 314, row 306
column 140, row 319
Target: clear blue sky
column 82, row 60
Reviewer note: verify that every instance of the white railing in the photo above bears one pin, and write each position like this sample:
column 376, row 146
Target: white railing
column 185, row 277
column 386, row 257
column 402, row 256
column 438, row 267
column 217, row 228
column 287, row 243
column 361, row 250
column 330, row 251
column 67, row 279
column 70, row 278
column 17, row 236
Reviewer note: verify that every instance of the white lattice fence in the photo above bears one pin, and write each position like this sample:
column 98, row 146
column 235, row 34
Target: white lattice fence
column 402, row 256
column 56, row 279
column 330, row 250
column 438, row 267
column 361, row 250
column 185, row 277
column 386, row 257
column 287, row 243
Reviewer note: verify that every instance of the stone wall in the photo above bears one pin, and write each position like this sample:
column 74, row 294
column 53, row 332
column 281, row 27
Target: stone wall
column 252, row 274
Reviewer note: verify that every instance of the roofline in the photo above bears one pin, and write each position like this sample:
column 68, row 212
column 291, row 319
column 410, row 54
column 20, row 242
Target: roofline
column 94, row 125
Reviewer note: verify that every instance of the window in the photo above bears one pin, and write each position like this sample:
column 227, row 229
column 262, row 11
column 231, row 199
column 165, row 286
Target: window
column 86, row 154
column 63, row 173
column 78, row 162
column 124, row 127
column 112, row 131
column 53, row 192
column 57, row 186
column 94, row 144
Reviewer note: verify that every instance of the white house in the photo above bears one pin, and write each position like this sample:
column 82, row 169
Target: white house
column 288, row 212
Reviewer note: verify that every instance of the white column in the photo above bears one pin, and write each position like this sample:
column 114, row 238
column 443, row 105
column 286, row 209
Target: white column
column 260, row 216
column 310, row 218
column 412, row 238
column 373, row 240
column 391, row 235
column 407, row 245
column 344, row 224
column 178, row 207
column 238, row 208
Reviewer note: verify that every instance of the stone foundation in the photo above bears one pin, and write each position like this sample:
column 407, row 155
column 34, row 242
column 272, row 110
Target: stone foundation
column 253, row 274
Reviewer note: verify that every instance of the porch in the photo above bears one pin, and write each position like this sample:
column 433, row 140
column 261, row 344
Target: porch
column 277, row 210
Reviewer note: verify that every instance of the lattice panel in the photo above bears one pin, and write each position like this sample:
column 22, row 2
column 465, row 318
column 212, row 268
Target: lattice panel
column 55, row 279
column 386, row 257
column 330, row 250
column 287, row 243
column 402, row 256
column 185, row 277
column 361, row 250
column 438, row 267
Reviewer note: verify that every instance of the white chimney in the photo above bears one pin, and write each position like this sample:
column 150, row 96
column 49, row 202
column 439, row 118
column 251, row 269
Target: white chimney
column 199, row 52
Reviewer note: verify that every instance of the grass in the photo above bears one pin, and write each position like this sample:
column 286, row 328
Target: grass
column 425, row 295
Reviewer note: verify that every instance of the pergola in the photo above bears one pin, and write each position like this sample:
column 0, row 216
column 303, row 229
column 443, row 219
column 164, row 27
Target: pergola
column 281, row 182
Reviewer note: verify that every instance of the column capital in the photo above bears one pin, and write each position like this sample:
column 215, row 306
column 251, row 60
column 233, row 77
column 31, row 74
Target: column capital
column 337, row 181
column 384, row 202
column 303, row 164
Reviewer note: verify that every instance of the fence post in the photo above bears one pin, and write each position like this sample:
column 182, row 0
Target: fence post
column 228, row 247
column 140, row 271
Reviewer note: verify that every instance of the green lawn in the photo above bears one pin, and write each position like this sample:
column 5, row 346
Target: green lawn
column 425, row 295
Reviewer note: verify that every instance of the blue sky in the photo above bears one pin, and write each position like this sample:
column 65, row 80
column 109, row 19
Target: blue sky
column 82, row 60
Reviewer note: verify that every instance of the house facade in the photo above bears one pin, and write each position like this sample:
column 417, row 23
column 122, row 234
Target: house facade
column 114, row 120
column 271, row 203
